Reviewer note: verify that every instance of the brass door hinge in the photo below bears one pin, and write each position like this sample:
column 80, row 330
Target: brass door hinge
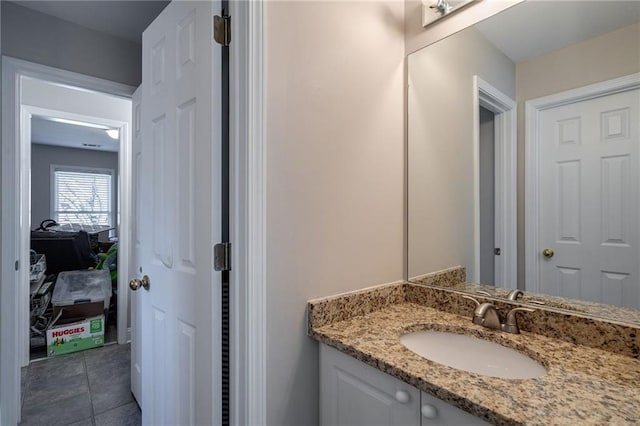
column 222, row 30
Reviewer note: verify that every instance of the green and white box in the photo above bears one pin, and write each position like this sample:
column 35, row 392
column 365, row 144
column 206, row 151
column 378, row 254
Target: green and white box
column 76, row 336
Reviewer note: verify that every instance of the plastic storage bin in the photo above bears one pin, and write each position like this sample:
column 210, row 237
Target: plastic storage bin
column 76, row 290
column 37, row 268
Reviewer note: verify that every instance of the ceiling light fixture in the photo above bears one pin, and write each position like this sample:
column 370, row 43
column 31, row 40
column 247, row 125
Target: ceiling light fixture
column 76, row 123
column 113, row 133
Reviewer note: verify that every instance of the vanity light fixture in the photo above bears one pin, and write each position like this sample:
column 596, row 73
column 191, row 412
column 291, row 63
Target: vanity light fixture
column 432, row 10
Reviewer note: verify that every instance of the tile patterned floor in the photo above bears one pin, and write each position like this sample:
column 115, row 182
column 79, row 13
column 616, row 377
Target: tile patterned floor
column 89, row 388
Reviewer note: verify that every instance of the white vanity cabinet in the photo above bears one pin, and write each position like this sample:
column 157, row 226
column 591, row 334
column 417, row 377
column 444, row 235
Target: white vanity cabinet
column 353, row 393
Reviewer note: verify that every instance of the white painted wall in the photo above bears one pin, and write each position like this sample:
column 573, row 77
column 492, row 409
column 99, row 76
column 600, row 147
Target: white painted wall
column 47, row 40
column 43, row 156
column 335, row 174
column 440, row 148
column 611, row 55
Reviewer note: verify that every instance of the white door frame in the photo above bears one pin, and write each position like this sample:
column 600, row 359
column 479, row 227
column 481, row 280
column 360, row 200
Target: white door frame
column 248, row 216
column 15, row 217
column 506, row 265
column 533, row 108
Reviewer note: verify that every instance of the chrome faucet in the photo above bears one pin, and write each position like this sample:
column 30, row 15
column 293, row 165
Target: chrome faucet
column 515, row 294
column 518, row 294
column 487, row 315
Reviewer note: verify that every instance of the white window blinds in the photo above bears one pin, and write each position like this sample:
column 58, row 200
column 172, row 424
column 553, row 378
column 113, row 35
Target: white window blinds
column 82, row 197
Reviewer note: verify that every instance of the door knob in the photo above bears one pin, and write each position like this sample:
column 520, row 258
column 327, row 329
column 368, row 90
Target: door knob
column 548, row 253
column 429, row 411
column 402, row 396
column 135, row 283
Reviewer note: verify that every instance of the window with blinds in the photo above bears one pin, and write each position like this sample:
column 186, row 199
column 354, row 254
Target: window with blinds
column 82, row 196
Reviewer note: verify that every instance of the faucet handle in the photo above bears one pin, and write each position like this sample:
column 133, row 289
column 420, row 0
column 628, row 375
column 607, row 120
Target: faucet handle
column 511, row 324
column 473, row 299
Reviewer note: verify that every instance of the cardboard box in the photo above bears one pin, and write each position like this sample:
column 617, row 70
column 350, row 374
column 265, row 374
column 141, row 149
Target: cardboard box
column 75, row 336
column 78, row 312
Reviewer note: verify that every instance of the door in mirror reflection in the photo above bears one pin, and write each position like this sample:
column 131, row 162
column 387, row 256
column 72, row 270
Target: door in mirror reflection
column 588, row 209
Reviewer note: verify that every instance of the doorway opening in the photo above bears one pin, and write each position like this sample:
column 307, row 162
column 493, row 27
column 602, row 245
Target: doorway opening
column 70, row 205
column 495, row 185
column 74, row 237
column 488, row 247
column 71, row 200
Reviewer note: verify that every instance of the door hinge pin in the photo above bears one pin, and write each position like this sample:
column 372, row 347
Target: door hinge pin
column 222, row 257
column 222, row 30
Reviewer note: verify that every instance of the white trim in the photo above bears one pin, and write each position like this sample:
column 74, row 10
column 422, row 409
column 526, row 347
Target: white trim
column 66, row 78
column 248, row 215
column 533, row 108
column 9, row 296
column 504, row 108
column 15, row 216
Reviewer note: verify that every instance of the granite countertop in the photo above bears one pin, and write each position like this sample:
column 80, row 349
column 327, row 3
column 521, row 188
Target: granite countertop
column 455, row 279
column 583, row 385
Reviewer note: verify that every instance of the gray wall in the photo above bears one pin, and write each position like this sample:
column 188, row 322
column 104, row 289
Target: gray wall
column 46, row 40
column 43, row 156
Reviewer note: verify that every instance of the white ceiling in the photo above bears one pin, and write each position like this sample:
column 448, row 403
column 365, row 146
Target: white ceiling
column 47, row 132
column 536, row 27
column 124, row 18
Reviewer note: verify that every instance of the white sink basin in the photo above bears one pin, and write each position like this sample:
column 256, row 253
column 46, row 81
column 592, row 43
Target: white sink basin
column 471, row 354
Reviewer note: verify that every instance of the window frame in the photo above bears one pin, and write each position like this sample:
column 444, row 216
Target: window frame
column 82, row 169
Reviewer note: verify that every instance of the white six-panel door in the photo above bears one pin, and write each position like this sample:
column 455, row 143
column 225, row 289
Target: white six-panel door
column 589, row 183
column 179, row 217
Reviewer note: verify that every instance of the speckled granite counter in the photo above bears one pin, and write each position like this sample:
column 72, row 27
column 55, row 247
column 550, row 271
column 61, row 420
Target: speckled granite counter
column 583, row 386
column 455, row 279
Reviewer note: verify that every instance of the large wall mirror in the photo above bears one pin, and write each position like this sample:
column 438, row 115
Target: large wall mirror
column 523, row 152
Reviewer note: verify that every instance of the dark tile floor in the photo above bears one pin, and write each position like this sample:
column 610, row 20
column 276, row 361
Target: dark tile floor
column 85, row 388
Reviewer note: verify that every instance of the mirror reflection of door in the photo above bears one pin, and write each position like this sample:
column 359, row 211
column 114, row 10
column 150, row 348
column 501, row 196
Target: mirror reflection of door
column 486, row 150
column 588, row 180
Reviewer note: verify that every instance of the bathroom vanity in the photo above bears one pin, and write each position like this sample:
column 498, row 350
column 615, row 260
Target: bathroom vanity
column 369, row 377
column 522, row 165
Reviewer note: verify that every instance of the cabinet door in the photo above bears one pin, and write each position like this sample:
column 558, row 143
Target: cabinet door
column 436, row 412
column 353, row 393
